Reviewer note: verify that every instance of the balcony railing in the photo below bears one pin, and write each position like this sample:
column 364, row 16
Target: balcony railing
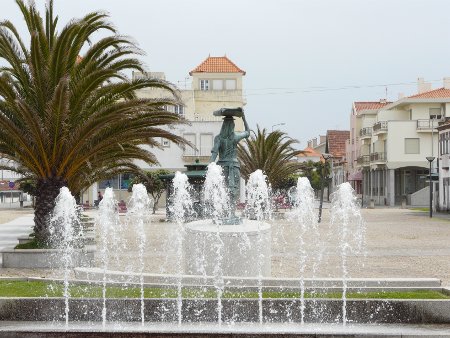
column 203, row 152
column 365, row 132
column 363, row 160
column 427, row 124
column 380, row 126
column 378, row 157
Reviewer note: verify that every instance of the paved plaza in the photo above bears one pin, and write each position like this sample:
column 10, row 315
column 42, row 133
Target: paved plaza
column 399, row 243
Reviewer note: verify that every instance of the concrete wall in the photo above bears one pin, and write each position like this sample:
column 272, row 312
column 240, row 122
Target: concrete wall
column 421, row 198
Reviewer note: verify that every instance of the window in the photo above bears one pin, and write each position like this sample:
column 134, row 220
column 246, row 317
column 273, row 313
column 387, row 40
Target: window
column 121, row 181
column 230, row 84
column 435, row 113
column 179, row 110
column 206, row 143
column 204, row 84
column 165, row 143
column 188, row 151
column 412, row 146
column 217, row 84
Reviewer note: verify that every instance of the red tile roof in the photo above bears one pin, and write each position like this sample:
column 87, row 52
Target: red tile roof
column 217, row 64
column 432, row 94
column 309, row 152
column 370, row 105
column 336, row 142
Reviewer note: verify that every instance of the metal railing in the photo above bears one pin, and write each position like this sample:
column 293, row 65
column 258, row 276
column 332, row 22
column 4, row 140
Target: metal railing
column 427, row 124
column 380, row 126
column 363, row 160
column 364, row 132
column 378, row 157
column 194, row 152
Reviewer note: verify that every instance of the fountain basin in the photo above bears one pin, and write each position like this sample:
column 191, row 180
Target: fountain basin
column 242, row 330
column 245, row 251
column 233, row 310
column 45, row 258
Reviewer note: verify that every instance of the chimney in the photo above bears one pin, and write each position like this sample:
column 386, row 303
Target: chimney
column 383, row 100
column 314, row 141
column 423, row 86
column 310, row 144
column 323, row 139
column 401, row 96
column 446, row 82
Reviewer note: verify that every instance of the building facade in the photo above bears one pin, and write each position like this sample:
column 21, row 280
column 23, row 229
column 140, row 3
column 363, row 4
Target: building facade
column 394, row 140
column 215, row 83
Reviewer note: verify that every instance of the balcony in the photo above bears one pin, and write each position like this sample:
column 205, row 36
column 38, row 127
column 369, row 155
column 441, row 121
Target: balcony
column 203, row 152
column 427, row 125
column 365, row 133
column 363, row 160
column 378, row 157
column 219, row 95
column 380, row 127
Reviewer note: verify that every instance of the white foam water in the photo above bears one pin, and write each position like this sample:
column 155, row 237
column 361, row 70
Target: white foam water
column 217, row 205
column 181, row 207
column 347, row 223
column 138, row 215
column 304, row 217
column 66, row 235
column 258, row 207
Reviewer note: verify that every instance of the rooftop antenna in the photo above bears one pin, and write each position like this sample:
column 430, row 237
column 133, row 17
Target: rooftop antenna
column 386, row 93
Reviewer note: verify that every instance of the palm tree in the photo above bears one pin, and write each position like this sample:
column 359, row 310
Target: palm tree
column 69, row 116
column 273, row 153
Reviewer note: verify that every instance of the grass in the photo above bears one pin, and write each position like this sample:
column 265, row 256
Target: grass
column 45, row 289
column 420, row 209
column 33, row 244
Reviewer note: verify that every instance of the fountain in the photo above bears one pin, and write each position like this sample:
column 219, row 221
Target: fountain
column 223, row 271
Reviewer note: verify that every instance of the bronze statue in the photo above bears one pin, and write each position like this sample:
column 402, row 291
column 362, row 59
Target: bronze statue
column 225, row 145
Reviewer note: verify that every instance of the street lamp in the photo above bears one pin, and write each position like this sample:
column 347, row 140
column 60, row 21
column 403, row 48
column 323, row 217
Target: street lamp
column 278, row 124
column 431, row 159
column 326, row 157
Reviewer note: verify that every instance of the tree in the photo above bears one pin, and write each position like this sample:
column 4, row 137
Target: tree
column 313, row 171
column 273, row 153
column 153, row 183
column 69, row 115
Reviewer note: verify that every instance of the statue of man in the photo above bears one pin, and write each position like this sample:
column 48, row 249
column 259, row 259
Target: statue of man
column 225, row 145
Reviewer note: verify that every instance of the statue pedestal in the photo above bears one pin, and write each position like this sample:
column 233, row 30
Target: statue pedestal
column 245, row 249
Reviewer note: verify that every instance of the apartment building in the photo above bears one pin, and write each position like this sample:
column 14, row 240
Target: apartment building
column 335, row 146
column 444, row 164
column 394, row 140
column 333, row 143
column 362, row 118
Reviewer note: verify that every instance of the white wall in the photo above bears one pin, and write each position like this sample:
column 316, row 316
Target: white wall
column 393, row 114
column 397, row 132
column 172, row 157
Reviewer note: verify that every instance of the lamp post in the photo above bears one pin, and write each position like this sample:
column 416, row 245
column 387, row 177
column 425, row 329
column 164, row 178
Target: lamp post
column 326, row 157
column 278, row 124
column 431, row 159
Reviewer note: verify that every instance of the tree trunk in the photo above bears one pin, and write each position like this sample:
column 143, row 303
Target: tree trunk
column 46, row 192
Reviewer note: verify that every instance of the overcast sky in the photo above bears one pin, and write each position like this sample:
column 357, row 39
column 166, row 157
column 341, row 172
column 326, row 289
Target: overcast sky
column 306, row 61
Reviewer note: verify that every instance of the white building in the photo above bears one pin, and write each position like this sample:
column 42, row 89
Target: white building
column 394, row 141
column 216, row 83
column 362, row 118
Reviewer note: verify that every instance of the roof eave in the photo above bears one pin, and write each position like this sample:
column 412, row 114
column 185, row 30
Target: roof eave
column 407, row 100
